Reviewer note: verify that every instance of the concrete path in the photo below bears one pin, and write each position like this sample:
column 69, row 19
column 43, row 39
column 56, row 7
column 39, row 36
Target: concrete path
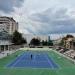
column 6, row 53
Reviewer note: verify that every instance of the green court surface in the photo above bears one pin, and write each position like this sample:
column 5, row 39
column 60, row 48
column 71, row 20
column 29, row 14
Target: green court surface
column 66, row 67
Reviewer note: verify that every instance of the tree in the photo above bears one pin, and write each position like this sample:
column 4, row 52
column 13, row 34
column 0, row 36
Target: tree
column 35, row 42
column 17, row 38
column 62, row 42
column 44, row 43
column 47, row 43
column 50, row 43
column 69, row 36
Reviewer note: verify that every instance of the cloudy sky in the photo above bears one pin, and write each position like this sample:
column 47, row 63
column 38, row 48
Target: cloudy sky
column 41, row 16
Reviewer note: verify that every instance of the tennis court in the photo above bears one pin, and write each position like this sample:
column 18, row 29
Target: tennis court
column 43, row 62
column 33, row 59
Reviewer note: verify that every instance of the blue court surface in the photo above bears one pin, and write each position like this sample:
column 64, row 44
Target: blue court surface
column 33, row 59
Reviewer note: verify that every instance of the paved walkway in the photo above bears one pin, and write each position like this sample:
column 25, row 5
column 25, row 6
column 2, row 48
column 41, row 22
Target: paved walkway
column 6, row 53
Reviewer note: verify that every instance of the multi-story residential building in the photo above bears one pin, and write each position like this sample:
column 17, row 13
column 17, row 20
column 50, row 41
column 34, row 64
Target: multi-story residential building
column 8, row 24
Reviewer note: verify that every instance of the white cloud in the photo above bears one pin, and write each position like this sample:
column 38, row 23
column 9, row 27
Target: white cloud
column 44, row 16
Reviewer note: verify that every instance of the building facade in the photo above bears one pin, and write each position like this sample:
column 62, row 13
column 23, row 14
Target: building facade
column 68, row 42
column 5, row 41
column 8, row 24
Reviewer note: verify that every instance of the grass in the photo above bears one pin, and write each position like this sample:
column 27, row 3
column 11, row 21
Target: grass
column 66, row 67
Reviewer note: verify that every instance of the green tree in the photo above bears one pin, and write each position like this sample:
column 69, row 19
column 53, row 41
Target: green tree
column 44, row 43
column 35, row 42
column 47, row 43
column 61, row 42
column 50, row 43
column 17, row 38
column 69, row 36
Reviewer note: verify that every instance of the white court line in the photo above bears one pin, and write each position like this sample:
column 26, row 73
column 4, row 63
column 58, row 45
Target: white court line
column 18, row 60
column 49, row 61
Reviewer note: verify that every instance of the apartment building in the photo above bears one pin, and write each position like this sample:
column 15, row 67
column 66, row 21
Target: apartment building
column 8, row 24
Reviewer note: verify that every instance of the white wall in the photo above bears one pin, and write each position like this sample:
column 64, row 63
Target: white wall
column 5, row 42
